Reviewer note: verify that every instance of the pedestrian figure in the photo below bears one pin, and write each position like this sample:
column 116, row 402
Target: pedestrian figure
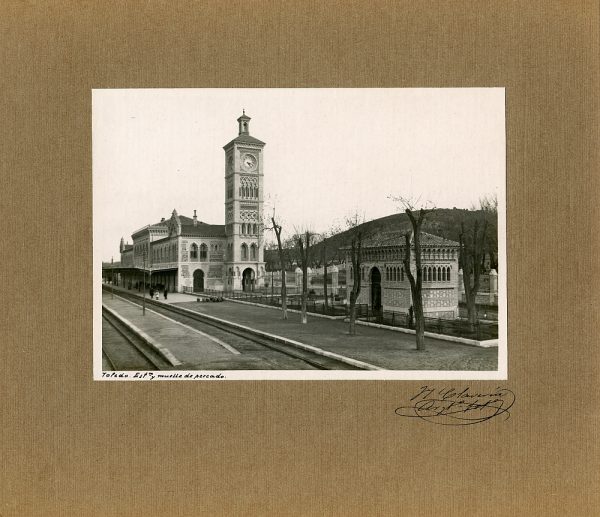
column 151, row 293
column 166, row 292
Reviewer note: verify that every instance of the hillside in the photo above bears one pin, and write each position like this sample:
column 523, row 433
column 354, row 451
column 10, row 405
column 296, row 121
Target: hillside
column 444, row 222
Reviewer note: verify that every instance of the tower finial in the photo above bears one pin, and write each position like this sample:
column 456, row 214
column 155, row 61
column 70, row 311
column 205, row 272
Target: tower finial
column 243, row 121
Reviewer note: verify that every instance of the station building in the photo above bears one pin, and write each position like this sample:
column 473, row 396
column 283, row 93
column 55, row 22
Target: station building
column 385, row 285
column 185, row 254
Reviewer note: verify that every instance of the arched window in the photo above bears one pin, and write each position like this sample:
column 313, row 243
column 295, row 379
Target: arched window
column 429, row 275
column 252, row 252
column 387, row 274
column 244, row 252
column 255, row 229
column 203, row 252
column 255, row 191
column 240, row 191
column 448, row 275
column 194, row 252
column 443, row 274
column 402, row 274
column 243, row 228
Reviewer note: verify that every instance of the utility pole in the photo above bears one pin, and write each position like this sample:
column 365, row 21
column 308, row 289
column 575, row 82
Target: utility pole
column 112, row 278
column 144, row 284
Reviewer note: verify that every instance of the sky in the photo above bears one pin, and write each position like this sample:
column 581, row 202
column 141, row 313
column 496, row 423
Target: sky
column 329, row 153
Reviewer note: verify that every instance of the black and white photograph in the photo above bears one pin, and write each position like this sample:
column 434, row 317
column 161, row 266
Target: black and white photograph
column 299, row 234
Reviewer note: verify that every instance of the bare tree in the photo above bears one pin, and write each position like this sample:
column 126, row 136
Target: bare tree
column 413, row 236
column 472, row 245
column 325, row 264
column 489, row 206
column 277, row 229
column 304, row 243
column 354, row 223
column 327, row 257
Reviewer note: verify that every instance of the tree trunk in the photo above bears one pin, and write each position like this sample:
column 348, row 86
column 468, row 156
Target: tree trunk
column 471, row 296
column 283, row 296
column 304, row 293
column 352, row 314
column 325, row 285
column 277, row 229
column 419, row 323
column 304, row 248
column 356, row 259
column 472, row 252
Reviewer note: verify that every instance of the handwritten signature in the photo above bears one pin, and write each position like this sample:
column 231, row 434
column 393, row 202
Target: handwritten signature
column 463, row 406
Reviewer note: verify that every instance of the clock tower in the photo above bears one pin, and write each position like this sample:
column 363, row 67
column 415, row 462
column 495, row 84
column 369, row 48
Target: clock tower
column 244, row 262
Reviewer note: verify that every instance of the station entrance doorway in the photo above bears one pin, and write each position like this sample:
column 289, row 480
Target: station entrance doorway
column 198, row 281
column 375, row 289
column 248, row 280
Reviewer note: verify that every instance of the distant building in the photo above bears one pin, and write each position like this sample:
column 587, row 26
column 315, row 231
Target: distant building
column 188, row 255
column 385, row 285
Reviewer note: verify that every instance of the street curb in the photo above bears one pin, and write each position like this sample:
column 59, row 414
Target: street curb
column 163, row 351
column 490, row 343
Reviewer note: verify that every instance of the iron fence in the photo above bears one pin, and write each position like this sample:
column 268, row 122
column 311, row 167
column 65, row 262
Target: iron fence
column 484, row 312
column 451, row 327
column 294, row 301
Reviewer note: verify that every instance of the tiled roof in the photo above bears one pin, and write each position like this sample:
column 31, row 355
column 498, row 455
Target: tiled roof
column 428, row 239
column 245, row 139
column 396, row 238
column 203, row 229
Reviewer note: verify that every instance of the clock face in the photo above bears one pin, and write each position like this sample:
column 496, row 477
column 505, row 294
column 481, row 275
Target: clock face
column 249, row 162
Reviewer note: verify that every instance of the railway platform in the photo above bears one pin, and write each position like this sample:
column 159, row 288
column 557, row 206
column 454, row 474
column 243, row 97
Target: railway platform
column 379, row 347
column 187, row 346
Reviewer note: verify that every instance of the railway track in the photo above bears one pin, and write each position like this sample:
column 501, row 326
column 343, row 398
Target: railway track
column 245, row 342
column 124, row 349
